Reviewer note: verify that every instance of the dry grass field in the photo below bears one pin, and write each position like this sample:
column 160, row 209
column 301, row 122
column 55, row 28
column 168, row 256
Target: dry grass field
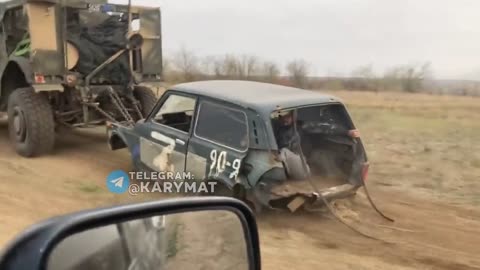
column 423, row 144
column 425, row 170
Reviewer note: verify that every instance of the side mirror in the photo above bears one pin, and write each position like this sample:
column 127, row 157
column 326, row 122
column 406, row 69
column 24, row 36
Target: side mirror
column 195, row 233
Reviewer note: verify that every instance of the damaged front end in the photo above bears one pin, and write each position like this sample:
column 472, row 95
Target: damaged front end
column 322, row 159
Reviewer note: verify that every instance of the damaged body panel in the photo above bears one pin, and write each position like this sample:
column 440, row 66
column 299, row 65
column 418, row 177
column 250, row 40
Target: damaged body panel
column 275, row 146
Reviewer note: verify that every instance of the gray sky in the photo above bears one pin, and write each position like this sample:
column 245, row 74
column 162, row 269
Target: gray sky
column 335, row 36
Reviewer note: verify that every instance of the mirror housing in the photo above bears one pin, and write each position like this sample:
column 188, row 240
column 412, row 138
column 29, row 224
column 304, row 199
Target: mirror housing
column 32, row 249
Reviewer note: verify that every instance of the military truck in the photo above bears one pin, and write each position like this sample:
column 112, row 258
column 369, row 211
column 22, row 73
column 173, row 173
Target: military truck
column 75, row 63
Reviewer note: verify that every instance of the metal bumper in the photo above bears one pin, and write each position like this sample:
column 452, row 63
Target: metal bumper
column 293, row 197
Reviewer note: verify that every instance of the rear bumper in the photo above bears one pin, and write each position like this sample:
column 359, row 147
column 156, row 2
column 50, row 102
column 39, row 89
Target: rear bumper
column 290, row 197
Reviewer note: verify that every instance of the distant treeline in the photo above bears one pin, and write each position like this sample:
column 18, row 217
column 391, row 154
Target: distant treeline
column 184, row 66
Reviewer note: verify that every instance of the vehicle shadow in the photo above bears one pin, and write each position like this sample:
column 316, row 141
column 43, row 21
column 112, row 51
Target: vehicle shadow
column 278, row 218
column 3, row 128
column 68, row 140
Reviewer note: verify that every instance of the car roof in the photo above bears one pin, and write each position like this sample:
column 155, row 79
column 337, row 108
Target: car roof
column 262, row 97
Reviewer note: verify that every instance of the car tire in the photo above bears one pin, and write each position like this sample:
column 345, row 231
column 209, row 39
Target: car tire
column 31, row 123
column 147, row 99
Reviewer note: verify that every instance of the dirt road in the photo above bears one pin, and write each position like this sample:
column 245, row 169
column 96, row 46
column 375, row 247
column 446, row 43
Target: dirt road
column 425, row 236
column 430, row 232
column 428, row 235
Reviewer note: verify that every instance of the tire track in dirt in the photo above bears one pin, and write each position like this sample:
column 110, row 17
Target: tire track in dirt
column 70, row 179
column 427, row 237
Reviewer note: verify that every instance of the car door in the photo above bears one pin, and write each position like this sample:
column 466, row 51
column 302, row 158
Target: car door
column 219, row 142
column 164, row 135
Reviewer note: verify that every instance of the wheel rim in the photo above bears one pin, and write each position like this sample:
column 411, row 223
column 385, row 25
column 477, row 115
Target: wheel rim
column 19, row 126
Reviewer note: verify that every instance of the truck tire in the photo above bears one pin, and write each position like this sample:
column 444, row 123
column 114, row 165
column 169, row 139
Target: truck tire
column 31, row 124
column 147, row 99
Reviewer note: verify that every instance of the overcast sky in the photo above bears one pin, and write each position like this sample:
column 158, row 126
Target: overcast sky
column 335, row 36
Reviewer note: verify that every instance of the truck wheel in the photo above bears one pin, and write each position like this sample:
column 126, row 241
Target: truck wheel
column 30, row 123
column 147, row 99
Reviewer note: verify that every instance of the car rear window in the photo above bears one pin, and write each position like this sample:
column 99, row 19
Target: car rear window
column 222, row 125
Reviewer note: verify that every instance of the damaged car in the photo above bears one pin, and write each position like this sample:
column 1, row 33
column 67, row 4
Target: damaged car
column 272, row 146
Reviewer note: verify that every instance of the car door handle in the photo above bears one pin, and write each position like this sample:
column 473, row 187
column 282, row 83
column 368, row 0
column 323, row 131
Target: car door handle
column 180, row 142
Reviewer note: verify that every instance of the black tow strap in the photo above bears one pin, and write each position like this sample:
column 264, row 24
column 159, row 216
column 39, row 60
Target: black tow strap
column 329, row 207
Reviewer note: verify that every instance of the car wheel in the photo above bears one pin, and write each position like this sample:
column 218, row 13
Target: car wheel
column 147, row 99
column 31, row 124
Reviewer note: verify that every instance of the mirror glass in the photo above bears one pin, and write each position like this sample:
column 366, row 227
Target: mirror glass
column 211, row 239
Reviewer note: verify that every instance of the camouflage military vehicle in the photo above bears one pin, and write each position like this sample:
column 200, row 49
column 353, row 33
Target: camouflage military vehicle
column 75, row 63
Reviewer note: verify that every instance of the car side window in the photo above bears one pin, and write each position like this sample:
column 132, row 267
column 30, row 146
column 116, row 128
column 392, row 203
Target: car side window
column 176, row 112
column 222, row 125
